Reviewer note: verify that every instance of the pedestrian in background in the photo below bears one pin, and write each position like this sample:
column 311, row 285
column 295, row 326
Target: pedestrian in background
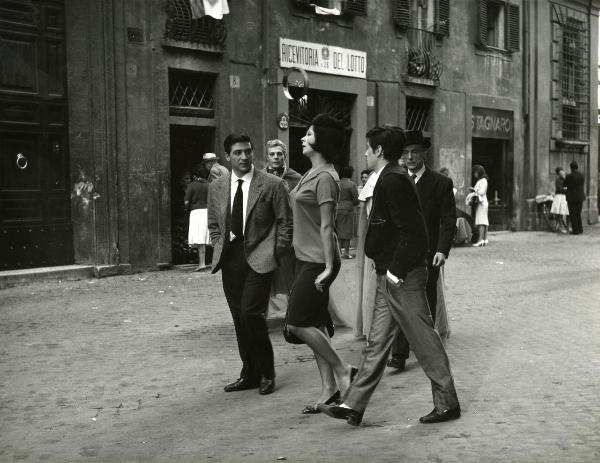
column 436, row 196
column 196, row 201
column 314, row 202
column 575, row 194
column 397, row 242
column 283, row 277
column 250, row 223
column 216, row 170
column 479, row 191
column 559, row 203
column 344, row 220
column 364, row 176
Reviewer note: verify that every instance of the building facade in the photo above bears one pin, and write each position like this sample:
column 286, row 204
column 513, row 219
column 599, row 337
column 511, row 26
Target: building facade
column 106, row 105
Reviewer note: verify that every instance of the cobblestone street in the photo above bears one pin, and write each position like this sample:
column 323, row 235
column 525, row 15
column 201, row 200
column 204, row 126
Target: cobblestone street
column 132, row 368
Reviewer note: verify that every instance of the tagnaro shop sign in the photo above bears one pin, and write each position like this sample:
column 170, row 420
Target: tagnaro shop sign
column 322, row 58
column 492, row 123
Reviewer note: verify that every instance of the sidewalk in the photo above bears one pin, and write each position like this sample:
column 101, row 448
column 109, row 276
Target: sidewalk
column 132, row 368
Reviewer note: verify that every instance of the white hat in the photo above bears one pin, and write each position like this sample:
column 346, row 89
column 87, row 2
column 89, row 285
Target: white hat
column 209, row 157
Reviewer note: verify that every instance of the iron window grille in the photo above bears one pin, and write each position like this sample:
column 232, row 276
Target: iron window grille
column 181, row 28
column 417, row 114
column 191, row 93
column 570, row 71
column 499, row 26
column 422, row 62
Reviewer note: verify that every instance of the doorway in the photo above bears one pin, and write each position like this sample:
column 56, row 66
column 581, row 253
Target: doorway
column 495, row 157
column 188, row 144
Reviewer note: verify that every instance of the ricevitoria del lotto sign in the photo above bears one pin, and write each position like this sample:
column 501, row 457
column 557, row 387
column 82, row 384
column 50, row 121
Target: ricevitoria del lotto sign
column 318, row 57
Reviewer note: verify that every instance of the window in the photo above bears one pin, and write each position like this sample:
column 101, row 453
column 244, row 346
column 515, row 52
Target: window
column 417, row 114
column 345, row 7
column 499, row 25
column 570, row 71
column 191, row 93
column 427, row 15
column 181, row 28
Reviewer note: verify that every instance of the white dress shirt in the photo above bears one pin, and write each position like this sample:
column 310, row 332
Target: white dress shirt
column 366, row 194
column 418, row 173
column 245, row 190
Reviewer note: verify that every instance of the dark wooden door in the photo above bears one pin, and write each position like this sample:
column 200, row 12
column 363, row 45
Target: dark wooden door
column 35, row 223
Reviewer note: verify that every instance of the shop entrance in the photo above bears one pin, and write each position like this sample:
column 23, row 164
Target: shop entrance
column 188, row 144
column 495, row 157
column 339, row 105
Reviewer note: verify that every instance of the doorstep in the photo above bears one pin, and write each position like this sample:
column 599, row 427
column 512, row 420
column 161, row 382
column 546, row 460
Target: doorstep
column 26, row 276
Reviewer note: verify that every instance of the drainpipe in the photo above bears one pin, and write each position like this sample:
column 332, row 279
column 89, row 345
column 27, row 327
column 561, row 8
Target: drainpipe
column 264, row 66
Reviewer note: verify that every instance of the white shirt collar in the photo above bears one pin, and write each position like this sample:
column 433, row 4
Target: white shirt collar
column 418, row 173
column 246, row 178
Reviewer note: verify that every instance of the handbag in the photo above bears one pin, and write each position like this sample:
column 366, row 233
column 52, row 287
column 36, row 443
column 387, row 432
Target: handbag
column 474, row 200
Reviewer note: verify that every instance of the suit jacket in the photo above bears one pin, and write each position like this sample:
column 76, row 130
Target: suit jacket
column 268, row 230
column 574, row 184
column 396, row 238
column 436, row 195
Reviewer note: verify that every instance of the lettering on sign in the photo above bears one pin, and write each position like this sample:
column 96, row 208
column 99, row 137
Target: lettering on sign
column 322, row 58
column 492, row 123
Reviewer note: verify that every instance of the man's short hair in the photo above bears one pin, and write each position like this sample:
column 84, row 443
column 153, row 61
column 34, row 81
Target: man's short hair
column 390, row 138
column 277, row 142
column 574, row 165
column 234, row 138
column 329, row 136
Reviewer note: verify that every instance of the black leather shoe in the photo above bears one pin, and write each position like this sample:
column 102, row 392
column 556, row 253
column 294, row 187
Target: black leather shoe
column 342, row 413
column 240, row 384
column 398, row 364
column 438, row 417
column 267, row 386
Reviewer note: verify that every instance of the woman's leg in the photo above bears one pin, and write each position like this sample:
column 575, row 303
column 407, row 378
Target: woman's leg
column 201, row 256
column 318, row 341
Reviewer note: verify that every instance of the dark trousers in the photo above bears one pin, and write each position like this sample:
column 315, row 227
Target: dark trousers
column 400, row 347
column 247, row 294
column 575, row 216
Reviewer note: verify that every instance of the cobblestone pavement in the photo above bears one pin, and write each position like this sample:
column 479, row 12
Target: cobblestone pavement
column 132, row 368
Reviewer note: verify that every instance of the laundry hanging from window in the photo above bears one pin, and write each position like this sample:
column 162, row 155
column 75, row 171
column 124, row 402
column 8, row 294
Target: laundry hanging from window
column 214, row 8
column 334, row 8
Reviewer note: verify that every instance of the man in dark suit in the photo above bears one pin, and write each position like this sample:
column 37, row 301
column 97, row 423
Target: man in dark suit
column 436, row 196
column 397, row 242
column 250, row 223
column 574, row 183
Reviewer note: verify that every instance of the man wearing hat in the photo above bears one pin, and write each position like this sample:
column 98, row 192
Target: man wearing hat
column 211, row 161
column 436, row 195
column 574, row 183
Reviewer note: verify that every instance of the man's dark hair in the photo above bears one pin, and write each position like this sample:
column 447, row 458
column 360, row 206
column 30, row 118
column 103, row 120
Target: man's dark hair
column 234, row 138
column 329, row 136
column 574, row 165
column 390, row 138
column 346, row 171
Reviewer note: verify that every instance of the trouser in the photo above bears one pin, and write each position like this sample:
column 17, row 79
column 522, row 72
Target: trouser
column 247, row 294
column 405, row 307
column 575, row 216
column 401, row 347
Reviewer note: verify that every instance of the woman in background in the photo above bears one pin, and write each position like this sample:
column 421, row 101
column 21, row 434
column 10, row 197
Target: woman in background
column 344, row 220
column 559, row 204
column 196, row 201
column 481, row 209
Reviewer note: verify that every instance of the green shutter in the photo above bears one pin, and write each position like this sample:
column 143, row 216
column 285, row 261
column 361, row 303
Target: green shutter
column 483, row 24
column 514, row 28
column 442, row 17
column 401, row 13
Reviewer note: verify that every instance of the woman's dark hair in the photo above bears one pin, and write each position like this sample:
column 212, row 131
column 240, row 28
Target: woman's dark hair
column 346, row 171
column 479, row 171
column 366, row 171
column 234, row 138
column 390, row 138
column 201, row 171
column 329, row 136
column 558, row 169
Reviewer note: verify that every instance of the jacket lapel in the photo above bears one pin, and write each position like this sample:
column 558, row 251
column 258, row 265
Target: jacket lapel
column 254, row 192
column 225, row 196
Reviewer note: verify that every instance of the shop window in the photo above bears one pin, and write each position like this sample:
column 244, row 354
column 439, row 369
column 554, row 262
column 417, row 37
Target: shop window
column 191, row 93
column 182, row 30
column 427, row 15
column 499, row 25
column 344, row 7
column 570, row 71
column 417, row 114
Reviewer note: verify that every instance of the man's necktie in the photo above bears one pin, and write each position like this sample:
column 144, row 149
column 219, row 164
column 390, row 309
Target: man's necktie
column 237, row 212
column 414, row 178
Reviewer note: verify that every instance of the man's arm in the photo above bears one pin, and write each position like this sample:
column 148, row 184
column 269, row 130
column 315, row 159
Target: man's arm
column 213, row 214
column 447, row 223
column 283, row 218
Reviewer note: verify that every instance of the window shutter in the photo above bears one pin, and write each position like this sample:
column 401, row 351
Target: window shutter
column 514, row 28
column 355, row 7
column 483, row 24
column 401, row 13
column 442, row 17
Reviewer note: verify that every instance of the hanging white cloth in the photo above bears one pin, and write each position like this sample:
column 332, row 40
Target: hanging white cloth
column 336, row 9
column 215, row 8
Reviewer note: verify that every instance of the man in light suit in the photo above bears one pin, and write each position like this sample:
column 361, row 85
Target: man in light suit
column 250, row 223
column 436, row 195
column 397, row 242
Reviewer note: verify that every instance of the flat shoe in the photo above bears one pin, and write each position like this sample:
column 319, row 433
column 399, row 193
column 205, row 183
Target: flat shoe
column 312, row 409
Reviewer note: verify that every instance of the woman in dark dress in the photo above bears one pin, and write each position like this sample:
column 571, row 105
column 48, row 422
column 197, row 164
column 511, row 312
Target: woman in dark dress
column 344, row 220
column 314, row 202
